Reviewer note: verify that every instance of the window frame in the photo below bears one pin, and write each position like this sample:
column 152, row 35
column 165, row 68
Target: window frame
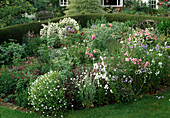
column 154, row 5
column 121, row 4
column 63, row 3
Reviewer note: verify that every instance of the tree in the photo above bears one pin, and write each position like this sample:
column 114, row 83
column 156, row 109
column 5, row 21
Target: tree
column 83, row 6
column 11, row 11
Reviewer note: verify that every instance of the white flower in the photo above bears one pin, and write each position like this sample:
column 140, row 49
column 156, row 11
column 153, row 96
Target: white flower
column 157, row 73
column 64, row 48
column 160, row 64
column 111, row 91
column 151, row 50
column 160, row 54
column 153, row 61
column 126, row 59
column 121, row 42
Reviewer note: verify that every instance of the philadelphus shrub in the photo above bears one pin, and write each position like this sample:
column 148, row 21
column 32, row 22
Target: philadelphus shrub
column 67, row 24
column 46, row 95
column 49, row 30
column 60, row 28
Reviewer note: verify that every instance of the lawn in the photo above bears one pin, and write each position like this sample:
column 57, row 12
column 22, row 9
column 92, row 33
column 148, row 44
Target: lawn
column 145, row 107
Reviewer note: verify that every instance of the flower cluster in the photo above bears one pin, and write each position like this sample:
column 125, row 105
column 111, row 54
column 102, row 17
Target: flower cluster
column 144, row 36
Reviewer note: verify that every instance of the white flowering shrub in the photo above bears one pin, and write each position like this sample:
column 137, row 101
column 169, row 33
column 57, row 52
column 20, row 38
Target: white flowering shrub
column 49, row 30
column 46, row 94
column 65, row 25
column 60, row 28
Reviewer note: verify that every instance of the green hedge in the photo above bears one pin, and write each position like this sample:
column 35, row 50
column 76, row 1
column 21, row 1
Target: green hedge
column 18, row 31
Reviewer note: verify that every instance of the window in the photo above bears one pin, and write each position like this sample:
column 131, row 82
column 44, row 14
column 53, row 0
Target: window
column 112, row 3
column 105, row 3
column 153, row 4
column 63, row 2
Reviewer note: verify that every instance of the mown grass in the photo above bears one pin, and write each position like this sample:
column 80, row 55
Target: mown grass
column 146, row 107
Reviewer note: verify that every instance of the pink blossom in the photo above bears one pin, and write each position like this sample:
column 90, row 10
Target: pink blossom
column 134, row 62
column 91, row 55
column 147, row 64
column 93, row 37
column 110, row 25
column 75, row 46
column 111, row 67
column 26, row 62
column 125, row 70
column 94, row 51
column 140, row 59
column 126, row 54
column 118, row 56
column 111, row 58
column 103, row 25
column 88, row 49
column 87, row 53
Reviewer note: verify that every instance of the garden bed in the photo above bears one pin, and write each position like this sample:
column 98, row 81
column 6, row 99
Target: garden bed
column 71, row 68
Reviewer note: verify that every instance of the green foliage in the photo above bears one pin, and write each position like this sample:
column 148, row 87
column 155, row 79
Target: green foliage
column 104, row 34
column 44, row 52
column 10, row 51
column 163, row 27
column 83, row 6
column 31, row 42
column 87, row 90
column 6, row 83
column 12, row 10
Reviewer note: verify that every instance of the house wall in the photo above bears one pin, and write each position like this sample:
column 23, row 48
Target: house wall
column 147, row 2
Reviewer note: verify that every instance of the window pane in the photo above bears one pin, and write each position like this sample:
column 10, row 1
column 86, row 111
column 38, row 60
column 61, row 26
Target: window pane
column 118, row 2
column 110, row 2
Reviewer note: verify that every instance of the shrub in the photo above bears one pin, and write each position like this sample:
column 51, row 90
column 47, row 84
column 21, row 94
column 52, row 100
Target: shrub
column 10, row 51
column 59, row 29
column 31, row 43
column 163, row 27
column 46, row 94
column 11, row 12
column 99, row 36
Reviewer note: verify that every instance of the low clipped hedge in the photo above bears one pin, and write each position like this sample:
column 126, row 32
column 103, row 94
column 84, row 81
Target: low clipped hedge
column 18, row 31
